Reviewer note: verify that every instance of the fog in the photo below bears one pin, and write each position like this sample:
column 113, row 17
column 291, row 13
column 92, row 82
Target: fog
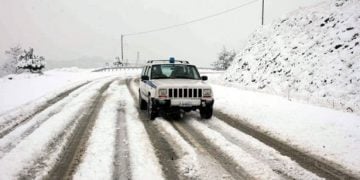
column 89, row 31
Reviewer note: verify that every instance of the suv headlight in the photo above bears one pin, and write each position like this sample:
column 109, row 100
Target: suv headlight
column 162, row 93
column 207, row 93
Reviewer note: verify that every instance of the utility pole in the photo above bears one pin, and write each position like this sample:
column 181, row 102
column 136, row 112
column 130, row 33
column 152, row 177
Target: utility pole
column 122, row 48
column 262, row 14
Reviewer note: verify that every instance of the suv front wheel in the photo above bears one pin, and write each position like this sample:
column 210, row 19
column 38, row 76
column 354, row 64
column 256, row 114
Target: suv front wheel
column 206, row 112
column 151, row 110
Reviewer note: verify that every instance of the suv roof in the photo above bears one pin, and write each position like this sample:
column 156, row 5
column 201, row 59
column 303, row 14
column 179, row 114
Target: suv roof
column 151, row 62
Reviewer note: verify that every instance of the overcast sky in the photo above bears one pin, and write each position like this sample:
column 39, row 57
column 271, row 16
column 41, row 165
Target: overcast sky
column 70, row 29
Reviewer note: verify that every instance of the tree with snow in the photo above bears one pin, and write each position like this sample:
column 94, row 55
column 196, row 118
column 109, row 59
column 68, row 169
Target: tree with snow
column 28, row 60
column 11, row 60
column 225, row 58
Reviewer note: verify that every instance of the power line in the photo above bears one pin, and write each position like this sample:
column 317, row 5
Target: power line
column 191, row 21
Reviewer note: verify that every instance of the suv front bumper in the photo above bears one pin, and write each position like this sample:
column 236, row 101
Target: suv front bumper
column 178, row 103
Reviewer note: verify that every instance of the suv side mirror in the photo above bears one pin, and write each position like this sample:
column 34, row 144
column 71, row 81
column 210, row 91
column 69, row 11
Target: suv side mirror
column 144, row 78
column 204, row 78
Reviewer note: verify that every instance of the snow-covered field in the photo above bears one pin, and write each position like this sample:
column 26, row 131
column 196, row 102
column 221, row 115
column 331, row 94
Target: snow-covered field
column 198, row 147
column 21, row 88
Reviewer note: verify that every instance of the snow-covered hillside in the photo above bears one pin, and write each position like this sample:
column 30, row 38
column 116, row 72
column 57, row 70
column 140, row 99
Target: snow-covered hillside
column 313, row 54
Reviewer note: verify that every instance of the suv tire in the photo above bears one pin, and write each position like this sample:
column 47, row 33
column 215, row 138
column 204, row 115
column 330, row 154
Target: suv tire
column 150, row 109
column 142, row 103
column 206, row 112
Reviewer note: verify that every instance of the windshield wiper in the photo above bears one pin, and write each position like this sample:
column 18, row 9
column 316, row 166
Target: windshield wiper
column 183, row 77
column 161, row 78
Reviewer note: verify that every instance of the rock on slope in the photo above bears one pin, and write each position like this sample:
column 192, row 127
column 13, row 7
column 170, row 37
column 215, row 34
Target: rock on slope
column 313, row 54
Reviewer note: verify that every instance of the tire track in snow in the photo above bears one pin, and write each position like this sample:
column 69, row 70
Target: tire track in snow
column 316, row 165
column 210, row 167
column 279, row 163
column 144, row 157
column 237, row 162
column 35, row 155
column 107, row 155
column 164, row 151
column 8, row 142
column 187, row 163
column 75, row 147
column 122, row 154
column 11, row 121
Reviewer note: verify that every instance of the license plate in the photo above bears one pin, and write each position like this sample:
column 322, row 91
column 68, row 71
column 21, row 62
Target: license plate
column 185, row 104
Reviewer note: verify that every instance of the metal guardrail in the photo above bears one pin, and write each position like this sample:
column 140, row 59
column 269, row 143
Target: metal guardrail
column 104, row 69
column 109, row 69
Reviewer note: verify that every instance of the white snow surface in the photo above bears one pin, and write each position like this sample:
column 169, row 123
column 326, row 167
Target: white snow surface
column 322, row 132
column 312, row 54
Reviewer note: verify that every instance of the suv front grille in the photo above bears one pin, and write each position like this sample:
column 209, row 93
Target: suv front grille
column 185, row 93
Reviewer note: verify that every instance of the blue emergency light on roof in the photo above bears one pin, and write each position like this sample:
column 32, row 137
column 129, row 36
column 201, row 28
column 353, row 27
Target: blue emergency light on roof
column 172, row 60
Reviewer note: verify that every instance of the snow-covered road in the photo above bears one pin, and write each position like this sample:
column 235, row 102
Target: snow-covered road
column 95, row 130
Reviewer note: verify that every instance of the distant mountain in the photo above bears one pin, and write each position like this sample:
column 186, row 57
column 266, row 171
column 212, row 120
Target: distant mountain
column 83, row 62
column 313, row 54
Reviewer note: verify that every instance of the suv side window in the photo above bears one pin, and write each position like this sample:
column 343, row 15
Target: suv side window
column 145, row 70
column 148, row 71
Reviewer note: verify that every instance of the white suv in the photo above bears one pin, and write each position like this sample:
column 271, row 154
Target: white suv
column 174, row 87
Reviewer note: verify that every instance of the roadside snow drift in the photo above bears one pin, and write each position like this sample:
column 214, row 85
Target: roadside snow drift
column 312, row 54
column 320, row 132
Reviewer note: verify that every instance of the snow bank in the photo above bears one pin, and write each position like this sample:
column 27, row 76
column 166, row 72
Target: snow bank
column 312, row 54
column 321, row 132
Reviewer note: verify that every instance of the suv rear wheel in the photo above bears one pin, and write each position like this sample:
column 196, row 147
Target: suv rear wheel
column 151, row 111
column 206, row 112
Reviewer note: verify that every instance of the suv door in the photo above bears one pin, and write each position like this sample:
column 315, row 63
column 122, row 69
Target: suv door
column 147, row 86
column 142, row 83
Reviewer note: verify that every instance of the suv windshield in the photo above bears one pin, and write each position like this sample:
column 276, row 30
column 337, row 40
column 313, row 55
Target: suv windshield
column 174, row 71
